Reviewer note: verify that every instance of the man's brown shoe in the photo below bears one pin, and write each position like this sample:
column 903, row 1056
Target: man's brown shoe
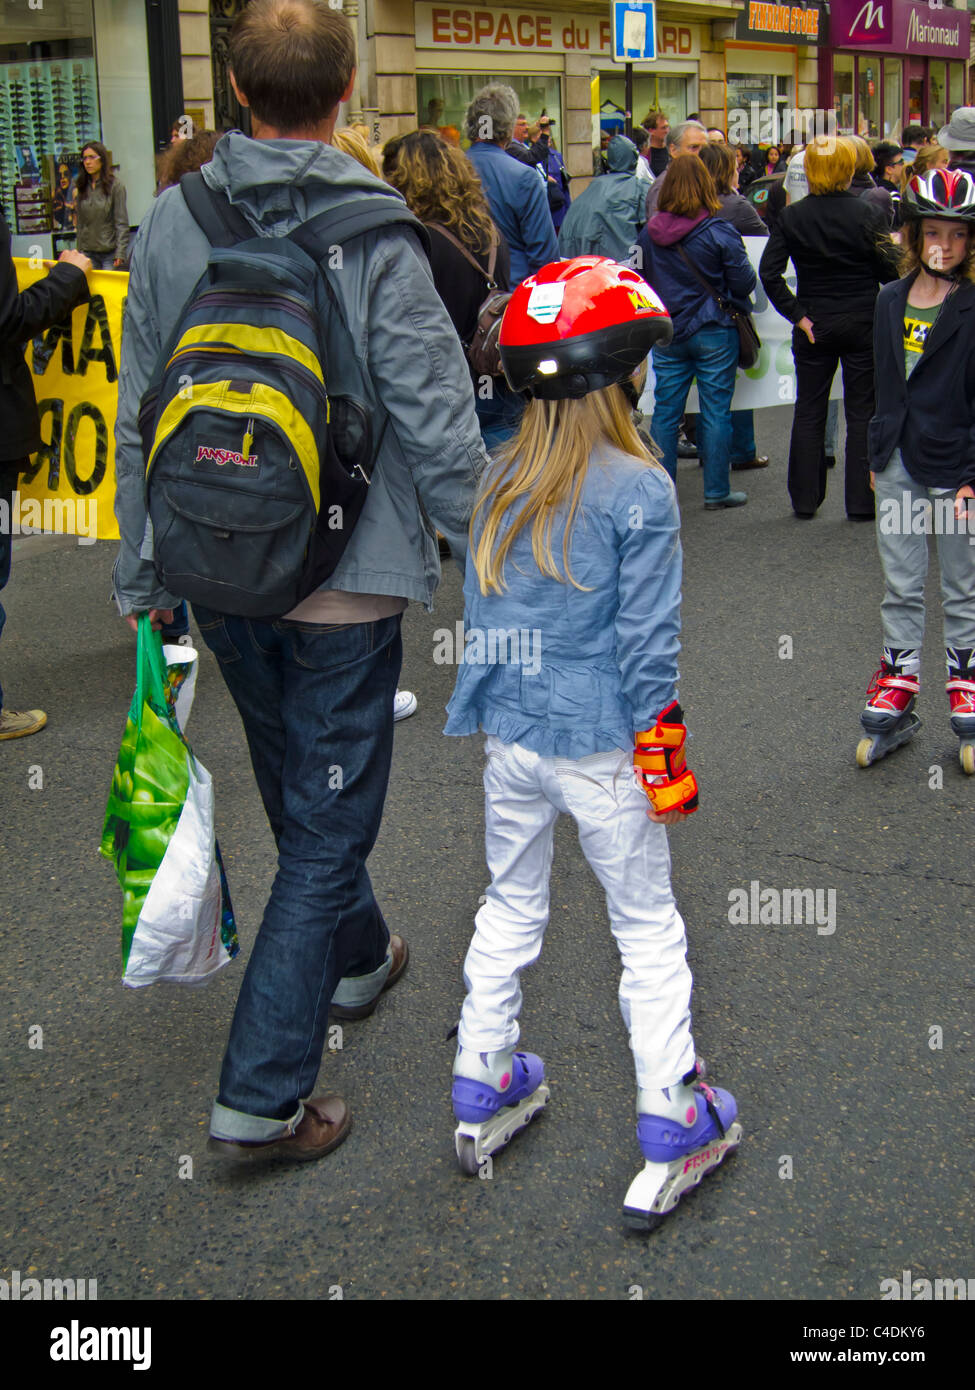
column 17, row 723
column 759, row 461
column 401, row 956
column 324, row 1125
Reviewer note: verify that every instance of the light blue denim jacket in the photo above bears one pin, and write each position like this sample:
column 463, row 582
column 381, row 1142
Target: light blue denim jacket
column 568, row 671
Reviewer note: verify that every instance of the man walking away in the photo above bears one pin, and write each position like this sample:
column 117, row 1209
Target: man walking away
column 314, row 687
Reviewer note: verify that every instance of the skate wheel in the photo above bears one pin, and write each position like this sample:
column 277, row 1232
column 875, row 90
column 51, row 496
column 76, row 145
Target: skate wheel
column 467, row 1156
column 967, row 756
column 645, row 1221
column 865, row 752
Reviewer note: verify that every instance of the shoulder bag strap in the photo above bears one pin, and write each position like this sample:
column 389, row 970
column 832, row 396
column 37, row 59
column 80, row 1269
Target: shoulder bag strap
column 722, row 304
column 492, row 258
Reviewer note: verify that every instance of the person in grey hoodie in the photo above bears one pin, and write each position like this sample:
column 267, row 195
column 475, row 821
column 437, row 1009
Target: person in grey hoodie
column 606, row 219
column 314, row 687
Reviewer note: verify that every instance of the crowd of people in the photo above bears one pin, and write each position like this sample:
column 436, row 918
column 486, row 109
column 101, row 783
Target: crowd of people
column 531, row 473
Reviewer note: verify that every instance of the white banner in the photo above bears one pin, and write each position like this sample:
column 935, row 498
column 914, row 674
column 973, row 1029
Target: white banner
column 772, row 380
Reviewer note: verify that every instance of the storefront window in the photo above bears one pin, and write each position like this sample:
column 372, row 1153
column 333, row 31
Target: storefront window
column 956, row 86
column 893, row 95
column 48, row 109
column 868, row 96
column 658, row 92
column 936, row 93
column 442, row 101
column 746, row 88
column 843, row 92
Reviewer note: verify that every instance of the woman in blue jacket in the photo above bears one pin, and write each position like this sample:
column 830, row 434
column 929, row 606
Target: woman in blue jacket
column 687, row 234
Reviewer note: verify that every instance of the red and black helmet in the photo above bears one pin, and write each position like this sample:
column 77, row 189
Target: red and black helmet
column 578, row 326
column 943, row 193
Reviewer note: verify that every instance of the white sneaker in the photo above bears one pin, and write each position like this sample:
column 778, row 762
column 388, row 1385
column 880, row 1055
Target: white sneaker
column 404, row 704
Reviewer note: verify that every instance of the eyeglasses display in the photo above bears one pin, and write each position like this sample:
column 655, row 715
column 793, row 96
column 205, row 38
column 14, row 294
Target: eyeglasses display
column 47, row 109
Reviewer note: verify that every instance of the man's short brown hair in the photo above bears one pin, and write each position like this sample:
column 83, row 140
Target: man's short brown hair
column 292, row 60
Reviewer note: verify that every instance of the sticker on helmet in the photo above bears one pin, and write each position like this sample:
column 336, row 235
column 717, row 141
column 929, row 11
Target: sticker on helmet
column 645, row 299
column 544, row 302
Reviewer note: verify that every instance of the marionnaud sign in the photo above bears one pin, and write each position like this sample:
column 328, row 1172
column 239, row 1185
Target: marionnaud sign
column 900, row 26
column 634, row 31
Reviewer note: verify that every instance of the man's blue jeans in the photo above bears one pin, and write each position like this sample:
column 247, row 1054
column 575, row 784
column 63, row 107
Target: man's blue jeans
column 317, row 707
column 710, row 355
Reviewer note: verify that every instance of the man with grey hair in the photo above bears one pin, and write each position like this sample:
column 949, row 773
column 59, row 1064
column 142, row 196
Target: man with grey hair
column 515, row 194
column 688, row 137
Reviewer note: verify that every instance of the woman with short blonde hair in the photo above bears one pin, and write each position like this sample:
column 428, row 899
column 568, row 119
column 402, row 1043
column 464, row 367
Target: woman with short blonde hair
column 829, row 163
column 842, row 253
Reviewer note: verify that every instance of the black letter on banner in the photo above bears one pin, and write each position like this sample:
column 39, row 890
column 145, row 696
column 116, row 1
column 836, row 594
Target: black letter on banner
column 82, row 486
column 97, row 317
column 49, row 453
column 45, row 343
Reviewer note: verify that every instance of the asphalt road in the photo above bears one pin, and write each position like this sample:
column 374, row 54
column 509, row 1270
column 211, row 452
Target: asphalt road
column 858, row 1122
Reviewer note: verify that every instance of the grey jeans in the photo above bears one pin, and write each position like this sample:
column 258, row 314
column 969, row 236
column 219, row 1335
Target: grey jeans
column 907, row 513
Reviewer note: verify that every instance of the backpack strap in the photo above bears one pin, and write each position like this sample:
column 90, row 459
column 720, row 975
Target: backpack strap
column 220, row 222
column 342, row 224
column 224, row 225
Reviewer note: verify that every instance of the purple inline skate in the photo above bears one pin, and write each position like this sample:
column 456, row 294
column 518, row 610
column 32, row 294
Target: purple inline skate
column 495, row 1094
column 684, row 1131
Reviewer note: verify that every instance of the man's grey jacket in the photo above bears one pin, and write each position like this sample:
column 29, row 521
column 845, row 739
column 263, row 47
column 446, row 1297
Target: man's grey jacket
column 412, row 365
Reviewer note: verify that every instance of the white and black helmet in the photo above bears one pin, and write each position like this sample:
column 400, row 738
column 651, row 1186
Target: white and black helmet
column 943, row 193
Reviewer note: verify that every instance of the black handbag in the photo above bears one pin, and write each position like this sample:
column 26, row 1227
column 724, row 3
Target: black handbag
column 749, row 343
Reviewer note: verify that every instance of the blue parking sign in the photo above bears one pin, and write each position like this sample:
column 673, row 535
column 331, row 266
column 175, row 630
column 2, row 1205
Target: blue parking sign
column 634, row 31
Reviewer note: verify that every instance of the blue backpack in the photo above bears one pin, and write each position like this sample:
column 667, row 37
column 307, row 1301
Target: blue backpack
column 255, row 475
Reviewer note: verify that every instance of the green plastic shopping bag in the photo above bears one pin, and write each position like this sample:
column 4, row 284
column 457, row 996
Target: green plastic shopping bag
column 177, row 917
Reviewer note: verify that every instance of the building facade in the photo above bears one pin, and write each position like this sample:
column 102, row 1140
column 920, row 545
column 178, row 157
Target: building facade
column 893, row 63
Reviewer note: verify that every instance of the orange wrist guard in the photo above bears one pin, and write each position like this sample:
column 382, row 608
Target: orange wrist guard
column 659, row 754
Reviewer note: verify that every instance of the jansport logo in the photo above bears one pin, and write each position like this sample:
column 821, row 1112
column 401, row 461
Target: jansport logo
column 205, row 454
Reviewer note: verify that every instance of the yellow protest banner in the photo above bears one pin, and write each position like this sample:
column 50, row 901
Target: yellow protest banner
column 69, row 486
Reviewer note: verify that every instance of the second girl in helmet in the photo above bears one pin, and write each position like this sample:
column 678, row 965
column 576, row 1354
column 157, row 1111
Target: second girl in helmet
column 922, row 456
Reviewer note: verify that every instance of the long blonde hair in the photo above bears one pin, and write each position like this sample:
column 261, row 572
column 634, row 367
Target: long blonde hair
column 538, row 471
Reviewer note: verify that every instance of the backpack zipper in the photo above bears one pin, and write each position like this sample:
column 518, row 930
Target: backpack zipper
column 301, row 374
column 278, row 301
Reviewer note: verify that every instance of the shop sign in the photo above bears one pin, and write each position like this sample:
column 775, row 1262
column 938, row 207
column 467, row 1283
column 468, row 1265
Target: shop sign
column 800, row 24
column 900, row 26
column 512, row 30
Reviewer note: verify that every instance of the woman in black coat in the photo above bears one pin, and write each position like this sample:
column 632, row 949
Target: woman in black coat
column 842, row 252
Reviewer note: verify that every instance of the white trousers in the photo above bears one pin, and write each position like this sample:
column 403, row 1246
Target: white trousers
column 629, row 854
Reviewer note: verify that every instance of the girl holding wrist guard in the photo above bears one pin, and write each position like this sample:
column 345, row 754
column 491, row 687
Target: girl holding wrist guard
column 575, row 568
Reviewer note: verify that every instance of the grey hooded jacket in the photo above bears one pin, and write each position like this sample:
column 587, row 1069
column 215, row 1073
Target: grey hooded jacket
column 412, row 366
column 606, row 218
